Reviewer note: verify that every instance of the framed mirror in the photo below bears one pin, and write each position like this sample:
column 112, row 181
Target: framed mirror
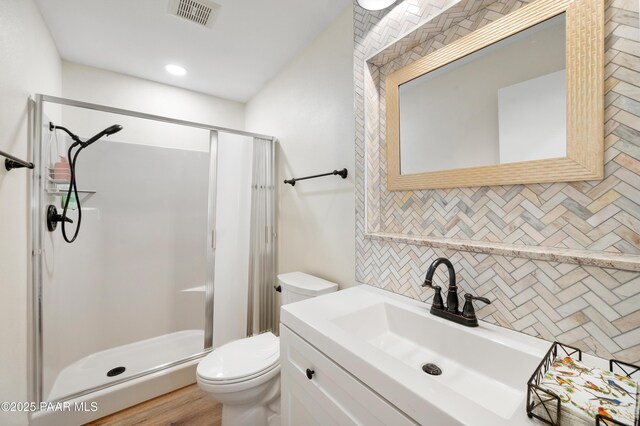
column 519, row 100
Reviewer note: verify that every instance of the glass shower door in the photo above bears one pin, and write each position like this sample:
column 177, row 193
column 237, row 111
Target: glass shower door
column 128, row 296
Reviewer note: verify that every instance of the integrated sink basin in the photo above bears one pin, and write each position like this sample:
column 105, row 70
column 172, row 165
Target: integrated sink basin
column 473, row 367
column 384, row 340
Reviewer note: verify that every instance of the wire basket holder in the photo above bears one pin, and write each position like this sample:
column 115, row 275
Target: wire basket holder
column 549, row 401
column 58, row 178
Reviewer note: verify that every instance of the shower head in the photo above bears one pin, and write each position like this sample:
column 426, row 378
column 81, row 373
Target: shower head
column 106, row 132
column 113, row 129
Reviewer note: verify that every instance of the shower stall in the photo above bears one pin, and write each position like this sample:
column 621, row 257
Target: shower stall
column 175, row 255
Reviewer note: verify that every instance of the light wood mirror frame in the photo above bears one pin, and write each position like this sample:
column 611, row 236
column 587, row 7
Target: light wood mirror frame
column 584, row 100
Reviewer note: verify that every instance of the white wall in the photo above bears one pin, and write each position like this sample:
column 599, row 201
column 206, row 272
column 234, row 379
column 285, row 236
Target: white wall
column 109, row 88
column 29, row 63
column 309, row 107
column 103, row 87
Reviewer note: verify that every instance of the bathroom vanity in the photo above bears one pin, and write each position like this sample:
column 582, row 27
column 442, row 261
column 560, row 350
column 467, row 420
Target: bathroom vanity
column 357, row 357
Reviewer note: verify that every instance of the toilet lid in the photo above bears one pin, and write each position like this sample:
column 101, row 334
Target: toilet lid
column 241, row 358
column 305, row 284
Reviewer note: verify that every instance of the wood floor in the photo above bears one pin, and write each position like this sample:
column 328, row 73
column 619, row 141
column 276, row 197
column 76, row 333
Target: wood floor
column 187, row 406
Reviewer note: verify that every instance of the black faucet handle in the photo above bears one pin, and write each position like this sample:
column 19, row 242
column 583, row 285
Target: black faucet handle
column 53, row 218
column 437, row 296
column 468, row 311
column 468, row 296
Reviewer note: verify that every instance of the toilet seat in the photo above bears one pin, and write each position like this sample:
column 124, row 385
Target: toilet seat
column 246, row 385
column 241, row 361
column 240, row 379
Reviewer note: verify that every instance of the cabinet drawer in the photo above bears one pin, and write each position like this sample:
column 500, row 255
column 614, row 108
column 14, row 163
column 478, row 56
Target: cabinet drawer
column 330, row 395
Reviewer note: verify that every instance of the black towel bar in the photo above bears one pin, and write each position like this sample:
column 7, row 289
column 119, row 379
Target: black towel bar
column 342, row 173
column 12, row 162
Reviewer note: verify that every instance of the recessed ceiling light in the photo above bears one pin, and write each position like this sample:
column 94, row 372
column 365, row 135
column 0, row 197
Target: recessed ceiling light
column 375, row 4
column 175, row 69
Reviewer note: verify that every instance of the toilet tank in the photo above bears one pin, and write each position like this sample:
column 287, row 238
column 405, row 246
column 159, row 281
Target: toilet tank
column 298, row 286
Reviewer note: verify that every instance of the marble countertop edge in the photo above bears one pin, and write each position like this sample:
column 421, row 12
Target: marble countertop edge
column 600, row 259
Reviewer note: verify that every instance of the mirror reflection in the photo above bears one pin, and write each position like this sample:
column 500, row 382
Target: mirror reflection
column 505, row 103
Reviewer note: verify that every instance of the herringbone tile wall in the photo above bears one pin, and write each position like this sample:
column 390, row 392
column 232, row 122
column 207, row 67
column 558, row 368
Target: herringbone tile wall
column 594, row 308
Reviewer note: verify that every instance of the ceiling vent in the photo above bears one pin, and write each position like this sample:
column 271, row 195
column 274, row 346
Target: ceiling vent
column 201, row 12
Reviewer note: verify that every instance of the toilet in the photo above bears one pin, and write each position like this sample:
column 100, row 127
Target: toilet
column 244, row 375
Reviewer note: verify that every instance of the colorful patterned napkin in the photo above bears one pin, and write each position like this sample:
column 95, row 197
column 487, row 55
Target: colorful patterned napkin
column 586, row 391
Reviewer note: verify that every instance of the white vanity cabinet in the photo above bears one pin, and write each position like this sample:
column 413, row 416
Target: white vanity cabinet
column 317, row 391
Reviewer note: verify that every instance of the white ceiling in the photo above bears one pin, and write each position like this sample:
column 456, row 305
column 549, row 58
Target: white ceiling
column 250, row 41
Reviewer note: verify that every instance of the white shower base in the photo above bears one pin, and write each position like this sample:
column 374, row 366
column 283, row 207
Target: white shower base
column 91, row 371
column 137, row 357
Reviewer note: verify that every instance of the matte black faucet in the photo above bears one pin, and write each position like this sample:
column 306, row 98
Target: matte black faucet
column 452, row 293
column 468, row 315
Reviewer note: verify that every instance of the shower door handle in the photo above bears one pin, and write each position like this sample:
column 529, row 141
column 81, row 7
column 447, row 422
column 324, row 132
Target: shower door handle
column 213, row 239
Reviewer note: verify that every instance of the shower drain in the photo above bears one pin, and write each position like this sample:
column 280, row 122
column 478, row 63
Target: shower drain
column 432, row 369
column 115, row 371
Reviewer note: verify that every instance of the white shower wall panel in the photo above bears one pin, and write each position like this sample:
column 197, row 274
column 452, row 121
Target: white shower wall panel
column 142, row 242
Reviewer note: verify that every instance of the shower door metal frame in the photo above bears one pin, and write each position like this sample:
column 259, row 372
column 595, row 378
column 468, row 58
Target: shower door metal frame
column 35, row 348
column 211, row 240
